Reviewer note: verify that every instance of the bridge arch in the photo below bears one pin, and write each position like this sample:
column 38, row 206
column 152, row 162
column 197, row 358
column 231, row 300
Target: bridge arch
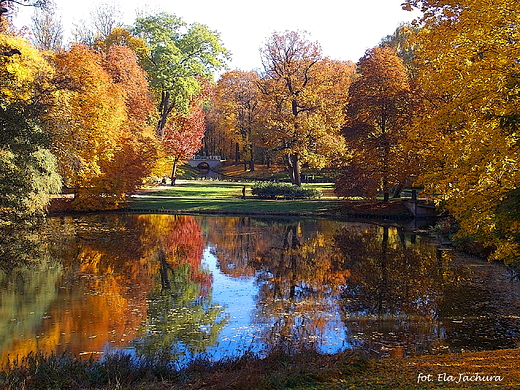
column 203, row 166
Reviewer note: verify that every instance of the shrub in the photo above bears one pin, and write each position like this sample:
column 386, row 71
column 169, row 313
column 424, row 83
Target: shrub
column 273, row 190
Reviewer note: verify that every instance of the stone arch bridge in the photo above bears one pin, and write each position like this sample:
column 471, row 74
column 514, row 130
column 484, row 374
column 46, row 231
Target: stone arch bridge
column 204, row 162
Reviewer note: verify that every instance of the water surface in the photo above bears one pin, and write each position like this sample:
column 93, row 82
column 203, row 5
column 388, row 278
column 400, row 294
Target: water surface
column 179, row 286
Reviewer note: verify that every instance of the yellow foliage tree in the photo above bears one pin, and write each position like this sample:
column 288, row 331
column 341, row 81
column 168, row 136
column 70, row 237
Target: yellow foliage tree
column 104, row 136
column 87, row 122
column 467, row 53
column 237, row 107
column 305, row 96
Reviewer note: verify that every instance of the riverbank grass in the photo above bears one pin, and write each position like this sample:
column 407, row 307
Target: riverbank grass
column 305, row 371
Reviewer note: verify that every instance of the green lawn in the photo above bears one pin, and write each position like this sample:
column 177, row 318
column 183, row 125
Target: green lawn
column 210, row 189
column 226, row 197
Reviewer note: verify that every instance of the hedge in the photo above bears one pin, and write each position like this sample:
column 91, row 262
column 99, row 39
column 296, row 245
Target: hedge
column 273, row 190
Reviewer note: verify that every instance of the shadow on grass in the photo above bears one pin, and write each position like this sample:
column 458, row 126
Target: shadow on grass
column 235, row 206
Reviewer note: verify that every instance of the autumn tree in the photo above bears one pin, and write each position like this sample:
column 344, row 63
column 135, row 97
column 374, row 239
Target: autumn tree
column 103, row 132
column 137, row 148
column 183, row 133
column 120, row 36
column 378, row 119
column 238, row 110
column 467, row 53
column 27, row 168
column 295, row 87
column 400, row 41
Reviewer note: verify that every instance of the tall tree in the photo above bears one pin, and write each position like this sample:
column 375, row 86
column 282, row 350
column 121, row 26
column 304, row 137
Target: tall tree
column 293, row 86
column 468, row 56
column 136, row 153
column 237, row 102
column 104, row 124
column 47, row 29
column 379, row 117
column 104, row 18
column 27, row 168
column 179, row 54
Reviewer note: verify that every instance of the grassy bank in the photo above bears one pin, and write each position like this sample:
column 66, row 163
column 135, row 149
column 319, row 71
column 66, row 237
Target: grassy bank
column 304, row 371
column 221, row 197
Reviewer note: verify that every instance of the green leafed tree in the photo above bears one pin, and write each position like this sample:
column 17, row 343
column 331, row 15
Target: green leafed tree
column 27, row 168
column 179, row 54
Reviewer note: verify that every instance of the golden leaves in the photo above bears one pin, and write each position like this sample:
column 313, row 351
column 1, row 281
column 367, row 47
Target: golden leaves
column 467, row 57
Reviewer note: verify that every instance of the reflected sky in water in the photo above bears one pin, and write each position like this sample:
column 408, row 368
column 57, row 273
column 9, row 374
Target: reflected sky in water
column 175, row 287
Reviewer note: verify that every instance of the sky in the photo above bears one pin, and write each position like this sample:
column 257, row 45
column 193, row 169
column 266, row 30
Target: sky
column 345, row 29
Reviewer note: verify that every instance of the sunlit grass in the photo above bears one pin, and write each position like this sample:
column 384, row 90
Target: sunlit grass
column 200, row 188
column 226, row 197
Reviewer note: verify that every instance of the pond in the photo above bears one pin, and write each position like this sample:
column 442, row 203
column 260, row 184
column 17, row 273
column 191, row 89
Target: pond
column 175, row 287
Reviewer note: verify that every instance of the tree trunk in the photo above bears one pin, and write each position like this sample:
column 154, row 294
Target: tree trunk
column 397, row 191
column 174, row 170
column 252, row 159
column 386, row 160
column 383, row 285
column 291, row 168
column 296, row 169
column 165, row 281
column 237, row 153
column 164, row 110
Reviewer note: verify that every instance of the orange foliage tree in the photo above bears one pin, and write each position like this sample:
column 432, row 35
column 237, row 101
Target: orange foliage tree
column 379, row 115
column 102, row 139
column 305, row 98
column 137, row 152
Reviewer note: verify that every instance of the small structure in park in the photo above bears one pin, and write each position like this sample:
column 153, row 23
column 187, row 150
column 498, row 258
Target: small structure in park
column 205, row 162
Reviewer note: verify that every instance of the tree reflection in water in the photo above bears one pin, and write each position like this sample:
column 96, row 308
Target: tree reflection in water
column 181, row 319
column 95, row 281
column 138, row 282
column 298, row 273
column 392, row 297
column 404, row 298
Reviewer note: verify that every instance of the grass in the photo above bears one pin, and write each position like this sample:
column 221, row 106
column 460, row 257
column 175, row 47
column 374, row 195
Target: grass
column 223, row 197
column 226, row 197
column 237, row 206
column 199, row 188
column 305, row 370
column 221, row 189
